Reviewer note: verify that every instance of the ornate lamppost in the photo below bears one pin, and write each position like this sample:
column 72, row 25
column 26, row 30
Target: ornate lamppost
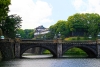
column 90, row 37
column 98, row 38
column 55, row 38
column 44, row 37
column 18, row 36
column 98, row 35
column 1, row 34
column 59, row 35
column 59, row 38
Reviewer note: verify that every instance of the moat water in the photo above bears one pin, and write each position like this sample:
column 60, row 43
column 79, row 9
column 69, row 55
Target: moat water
column 47, row 61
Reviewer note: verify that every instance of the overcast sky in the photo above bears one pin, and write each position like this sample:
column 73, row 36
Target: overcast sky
column 47, row 12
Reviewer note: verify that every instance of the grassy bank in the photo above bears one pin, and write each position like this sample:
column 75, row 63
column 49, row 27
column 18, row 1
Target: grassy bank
column 46, row 52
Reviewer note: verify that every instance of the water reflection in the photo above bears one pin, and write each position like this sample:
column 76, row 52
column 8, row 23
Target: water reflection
column 30, row 55
column 72, row 62
column 38, row 56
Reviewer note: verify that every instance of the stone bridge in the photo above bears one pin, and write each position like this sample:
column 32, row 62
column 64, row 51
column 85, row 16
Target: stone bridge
column 92, row 48
column 57, row 48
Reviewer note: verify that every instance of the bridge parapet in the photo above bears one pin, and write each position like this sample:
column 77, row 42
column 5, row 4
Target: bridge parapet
column 40, row 41
column 81, row 41
column 6, row 40
column 17, row 40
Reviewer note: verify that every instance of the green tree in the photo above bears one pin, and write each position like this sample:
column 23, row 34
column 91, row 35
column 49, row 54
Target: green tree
column 87, row 22
column 11, row 24
column 26, row 34
column 21, row 32
column 4, row 9
column 77, row 22
column 29, row 33
column 62, row 27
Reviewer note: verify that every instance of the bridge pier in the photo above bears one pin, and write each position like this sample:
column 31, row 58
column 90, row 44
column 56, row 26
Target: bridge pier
column 98, row 50
column 17, row 50
column 59, row 48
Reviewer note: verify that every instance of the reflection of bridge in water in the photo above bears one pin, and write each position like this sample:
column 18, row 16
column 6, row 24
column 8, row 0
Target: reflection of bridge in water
column 57, row 49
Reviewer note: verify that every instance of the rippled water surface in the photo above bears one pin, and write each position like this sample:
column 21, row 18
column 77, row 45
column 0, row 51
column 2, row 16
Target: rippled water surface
column 50, row 62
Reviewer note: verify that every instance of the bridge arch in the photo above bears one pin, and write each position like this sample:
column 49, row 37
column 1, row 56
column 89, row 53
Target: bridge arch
column 37, row 45
column 90, row 51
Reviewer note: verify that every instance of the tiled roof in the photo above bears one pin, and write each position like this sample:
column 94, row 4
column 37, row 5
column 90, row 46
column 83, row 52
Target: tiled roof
column 40, row 27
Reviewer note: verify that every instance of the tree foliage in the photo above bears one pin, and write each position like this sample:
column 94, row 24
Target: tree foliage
column 26, row 34
column 4, row 9
column 62, row 27
column 21, row 32
column 87, row 22
column 10, row 25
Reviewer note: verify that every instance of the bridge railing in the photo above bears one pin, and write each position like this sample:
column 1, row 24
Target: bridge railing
column 6, row 40
column 30, row 40
column 81, row 41
column 51, row 41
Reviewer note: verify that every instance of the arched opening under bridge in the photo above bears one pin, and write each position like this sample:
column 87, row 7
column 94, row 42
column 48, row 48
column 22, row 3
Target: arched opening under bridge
column 75, row 52
column 79, row 51
column 37, row 52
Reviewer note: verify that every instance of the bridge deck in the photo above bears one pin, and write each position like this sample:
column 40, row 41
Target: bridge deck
column 68, row 42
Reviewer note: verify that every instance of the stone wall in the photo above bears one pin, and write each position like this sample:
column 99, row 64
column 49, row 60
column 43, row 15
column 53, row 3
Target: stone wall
column 7, row 50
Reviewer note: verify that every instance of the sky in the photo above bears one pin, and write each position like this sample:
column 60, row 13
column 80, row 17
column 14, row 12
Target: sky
column 47, row 12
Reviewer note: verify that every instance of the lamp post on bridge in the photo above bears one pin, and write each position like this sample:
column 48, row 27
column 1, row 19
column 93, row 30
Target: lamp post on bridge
column 90, row 37
column 18, row 36
column 44, row 37
column 98, row 38
column 98, row 35
column 59, row 38
column 55, row 38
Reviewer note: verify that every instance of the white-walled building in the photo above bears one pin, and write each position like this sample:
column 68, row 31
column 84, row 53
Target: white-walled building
column 41, row 30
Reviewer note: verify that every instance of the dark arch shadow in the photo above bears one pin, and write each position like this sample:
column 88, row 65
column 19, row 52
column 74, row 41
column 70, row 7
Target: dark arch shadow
column 89, row 51
column 33, row 46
